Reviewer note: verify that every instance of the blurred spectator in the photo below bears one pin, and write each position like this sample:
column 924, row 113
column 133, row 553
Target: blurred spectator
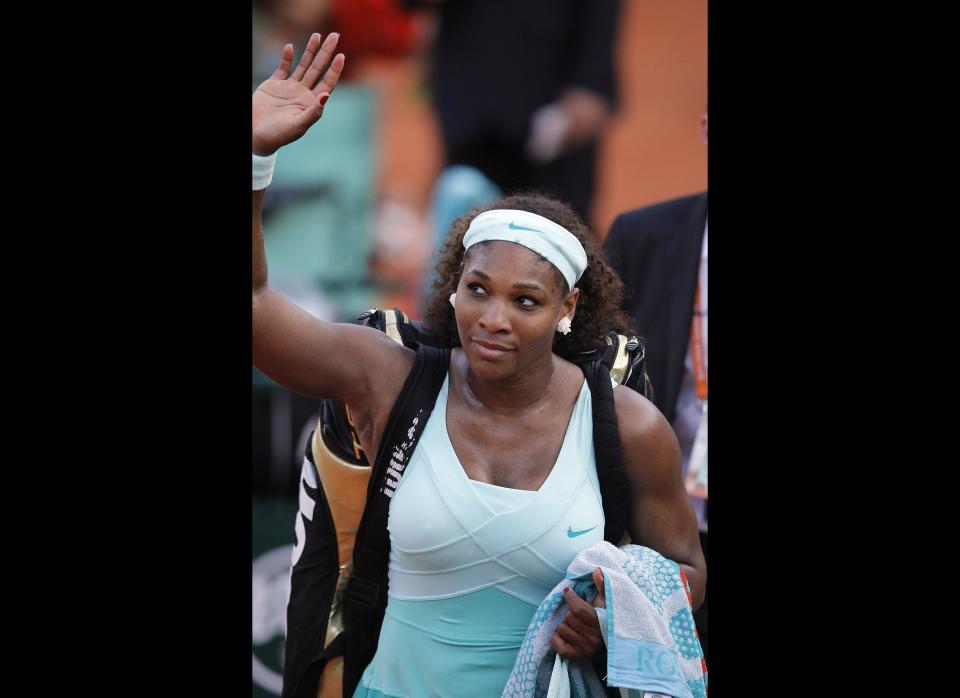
column 522, row 89
column 660, row 253
column 457, row 190
column 380, row 28
column 367, row 28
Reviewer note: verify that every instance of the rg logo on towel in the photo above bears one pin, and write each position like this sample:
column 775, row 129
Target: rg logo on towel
column 654, row 661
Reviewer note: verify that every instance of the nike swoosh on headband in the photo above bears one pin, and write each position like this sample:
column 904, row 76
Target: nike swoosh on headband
column 514, row 226
column 573, row 534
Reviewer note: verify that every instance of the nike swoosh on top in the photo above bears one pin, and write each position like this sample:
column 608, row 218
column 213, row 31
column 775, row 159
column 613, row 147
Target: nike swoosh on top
column 573, row 534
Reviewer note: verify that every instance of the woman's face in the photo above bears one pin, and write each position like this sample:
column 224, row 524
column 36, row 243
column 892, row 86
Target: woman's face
column 509, row 301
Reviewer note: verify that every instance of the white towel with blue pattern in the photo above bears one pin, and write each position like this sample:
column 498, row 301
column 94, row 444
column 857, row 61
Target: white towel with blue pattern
column 652, row 644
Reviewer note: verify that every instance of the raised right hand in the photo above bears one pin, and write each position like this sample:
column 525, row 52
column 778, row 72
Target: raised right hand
column 286, row 105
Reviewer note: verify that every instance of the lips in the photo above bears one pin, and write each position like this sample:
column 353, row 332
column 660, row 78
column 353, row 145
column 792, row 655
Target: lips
column 490, row 350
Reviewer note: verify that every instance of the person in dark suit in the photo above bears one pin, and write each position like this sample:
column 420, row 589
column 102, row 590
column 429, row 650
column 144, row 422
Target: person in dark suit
column 522, row 90
column 660, row 254
column 656, row 252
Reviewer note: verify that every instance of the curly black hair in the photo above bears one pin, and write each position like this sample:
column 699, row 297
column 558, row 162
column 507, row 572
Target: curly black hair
column 601, row 291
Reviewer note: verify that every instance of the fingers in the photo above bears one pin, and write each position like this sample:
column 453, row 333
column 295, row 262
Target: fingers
column 286, row 59
column 563, row 648
column 319, row 62
column 312, row 45
column 582, row 627
column 332, row 76
column 309, row 115
column 600, row 600
column 578, row 605
column 576, row 645
column 578, row 636
column 582, row 617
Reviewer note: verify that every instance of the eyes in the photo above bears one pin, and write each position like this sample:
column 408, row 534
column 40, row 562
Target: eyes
column 527, row 302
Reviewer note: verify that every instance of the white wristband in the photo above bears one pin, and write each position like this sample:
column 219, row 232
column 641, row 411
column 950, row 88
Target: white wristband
column 263, row 170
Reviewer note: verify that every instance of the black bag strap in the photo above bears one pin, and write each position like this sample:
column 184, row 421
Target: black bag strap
column 366, row 594
column 404, row 426
column 612, row 478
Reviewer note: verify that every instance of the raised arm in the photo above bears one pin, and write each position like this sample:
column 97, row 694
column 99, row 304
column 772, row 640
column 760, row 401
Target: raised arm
column 295, row 349
column 661, row 516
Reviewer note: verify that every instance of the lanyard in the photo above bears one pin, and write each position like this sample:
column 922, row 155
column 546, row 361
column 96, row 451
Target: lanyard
column 696, row 347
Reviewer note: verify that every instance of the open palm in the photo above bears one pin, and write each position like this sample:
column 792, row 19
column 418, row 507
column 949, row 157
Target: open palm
column 287, row 104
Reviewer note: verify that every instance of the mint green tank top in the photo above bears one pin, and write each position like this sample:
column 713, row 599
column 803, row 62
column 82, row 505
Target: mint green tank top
column 470, row 562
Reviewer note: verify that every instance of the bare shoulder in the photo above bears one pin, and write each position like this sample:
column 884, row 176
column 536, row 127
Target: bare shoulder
column 649, row 444
column 637, row 417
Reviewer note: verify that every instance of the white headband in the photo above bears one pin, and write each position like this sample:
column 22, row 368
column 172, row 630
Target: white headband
column 549, row 240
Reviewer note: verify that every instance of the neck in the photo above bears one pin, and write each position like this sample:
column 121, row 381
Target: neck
column 515, row 393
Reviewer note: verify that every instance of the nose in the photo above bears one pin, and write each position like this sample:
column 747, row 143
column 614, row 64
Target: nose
column 494, row 318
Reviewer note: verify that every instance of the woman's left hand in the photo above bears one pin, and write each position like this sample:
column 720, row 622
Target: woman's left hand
column 578, row 636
